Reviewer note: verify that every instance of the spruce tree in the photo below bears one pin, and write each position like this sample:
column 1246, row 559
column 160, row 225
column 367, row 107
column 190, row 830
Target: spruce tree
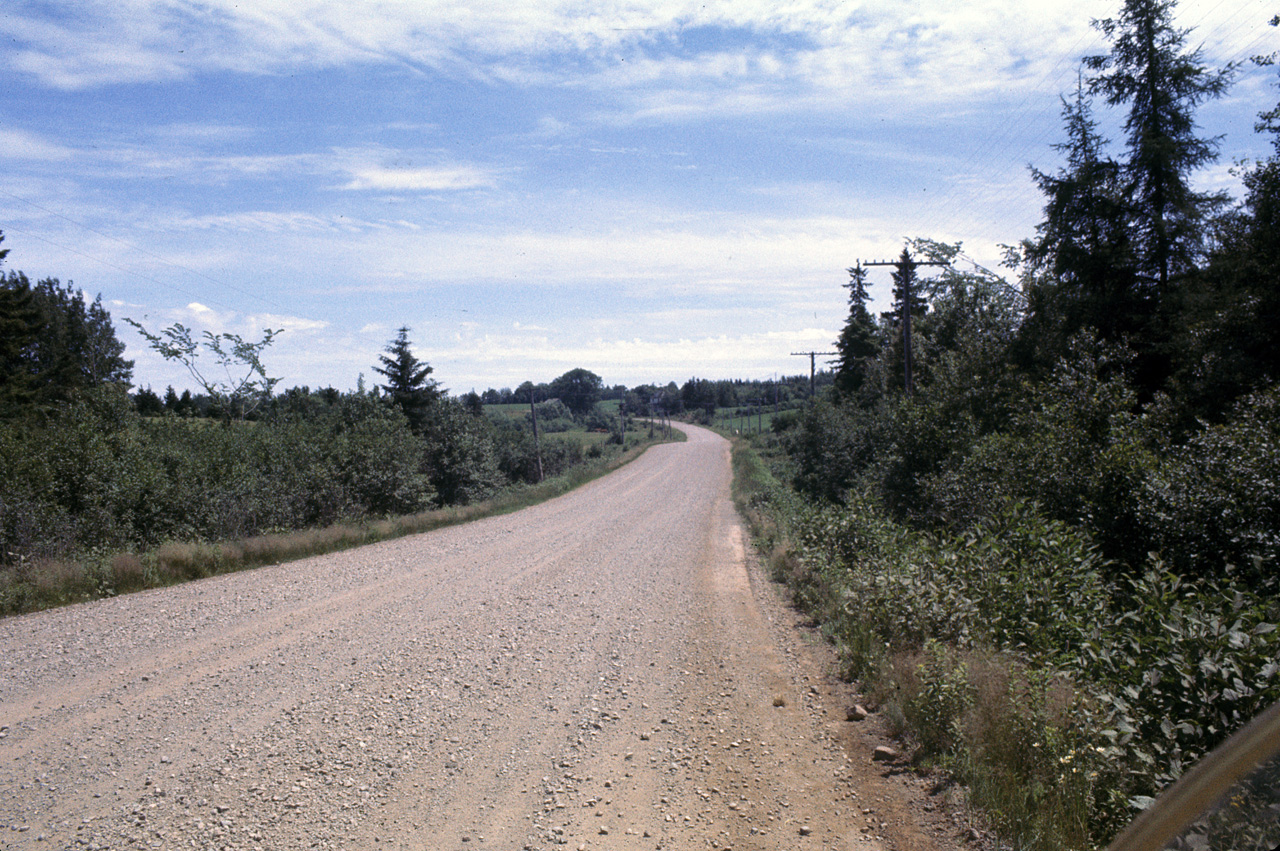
column 909, row 306
column 1083, row 245
column 21, row 323
column 859, row 341
column 408, row 383
column 1150, row 70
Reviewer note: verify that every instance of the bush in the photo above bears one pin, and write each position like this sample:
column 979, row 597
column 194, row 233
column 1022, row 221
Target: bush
column 1078, row 450
column 833, row 449
column 1092, row 688
column 598, row 420
column 553, row 417
column 1179, row 665
column 1215, row 501
column 461, row 459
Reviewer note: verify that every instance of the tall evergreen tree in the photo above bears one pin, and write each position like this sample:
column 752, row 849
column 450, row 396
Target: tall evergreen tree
column 1150, row 70
column 909, row 307
column 859, row 341
column 408, row 383
column 1083, row 243
column 20, row 325
column 55, row 344
column 1227, row 342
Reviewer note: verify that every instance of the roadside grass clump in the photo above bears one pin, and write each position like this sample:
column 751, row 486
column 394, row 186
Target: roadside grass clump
column 127, row 572
column 182, row 561
column 935, row 696
column 763, row 502
column 1026, row 754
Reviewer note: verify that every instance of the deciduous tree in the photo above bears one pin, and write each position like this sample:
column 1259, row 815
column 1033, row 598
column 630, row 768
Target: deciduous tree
column 243, row 385
column 579, row 389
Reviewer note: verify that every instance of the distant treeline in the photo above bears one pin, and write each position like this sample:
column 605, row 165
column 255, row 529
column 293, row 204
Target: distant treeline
column 695, row 394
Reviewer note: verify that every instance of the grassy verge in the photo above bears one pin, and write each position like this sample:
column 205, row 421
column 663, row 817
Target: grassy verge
column 1063, row 692
column 985, row 718
column 32, row 586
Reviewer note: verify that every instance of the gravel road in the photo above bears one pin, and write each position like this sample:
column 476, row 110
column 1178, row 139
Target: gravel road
column 605, row 670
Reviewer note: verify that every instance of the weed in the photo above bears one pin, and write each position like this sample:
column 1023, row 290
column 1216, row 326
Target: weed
column 128, row 572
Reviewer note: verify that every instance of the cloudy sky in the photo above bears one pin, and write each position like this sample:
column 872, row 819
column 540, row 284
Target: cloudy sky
column 651, row 190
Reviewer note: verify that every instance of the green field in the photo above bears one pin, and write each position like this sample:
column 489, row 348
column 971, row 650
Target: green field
column 728, row 419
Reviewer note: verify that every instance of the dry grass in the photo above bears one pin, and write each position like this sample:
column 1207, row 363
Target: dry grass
column 1011, row 734
column 128, row 573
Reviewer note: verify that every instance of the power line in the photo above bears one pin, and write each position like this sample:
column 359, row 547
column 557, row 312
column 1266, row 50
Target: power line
column 138, row 249
column 109, row 264
column 812, row 366
column 337, row 342
column 906, row 275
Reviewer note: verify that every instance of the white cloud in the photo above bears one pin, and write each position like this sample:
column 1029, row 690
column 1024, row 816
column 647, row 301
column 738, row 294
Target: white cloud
column 420, row 179
column 21, row 145
column 657, row 60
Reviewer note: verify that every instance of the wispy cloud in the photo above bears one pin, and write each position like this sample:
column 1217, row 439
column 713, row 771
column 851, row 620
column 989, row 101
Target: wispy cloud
column 21, row 145
column 420, row 179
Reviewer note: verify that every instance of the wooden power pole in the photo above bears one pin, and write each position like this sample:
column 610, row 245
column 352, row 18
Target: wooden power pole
column 537, row 447
column 812, row 356
column 906, row 275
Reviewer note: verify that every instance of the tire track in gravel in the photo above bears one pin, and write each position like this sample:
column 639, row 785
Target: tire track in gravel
column 592, row 672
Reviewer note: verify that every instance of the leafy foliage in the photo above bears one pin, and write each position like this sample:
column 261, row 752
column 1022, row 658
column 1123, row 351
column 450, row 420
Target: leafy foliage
column 243, row 385
column 1105, row 685
column 579, row 390
column 1056, row 557
column 54, row 344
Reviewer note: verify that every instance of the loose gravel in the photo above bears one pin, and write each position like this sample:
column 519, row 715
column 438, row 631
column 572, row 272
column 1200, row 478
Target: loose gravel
column 603, row 670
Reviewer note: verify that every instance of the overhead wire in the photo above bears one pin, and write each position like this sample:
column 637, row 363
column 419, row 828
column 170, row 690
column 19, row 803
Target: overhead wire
column 204, row 297
column 140, row 250
column 11, row 229
column 964, row 201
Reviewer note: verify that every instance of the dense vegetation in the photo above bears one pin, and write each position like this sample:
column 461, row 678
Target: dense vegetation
column 92, row 476
column 1048, row 542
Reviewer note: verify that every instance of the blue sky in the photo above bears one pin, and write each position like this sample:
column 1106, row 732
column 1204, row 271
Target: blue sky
column 650, row 190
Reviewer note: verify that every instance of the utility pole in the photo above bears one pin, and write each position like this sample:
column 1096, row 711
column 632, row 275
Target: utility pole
column 537, row 447
column 906, row 276
column 813, row 368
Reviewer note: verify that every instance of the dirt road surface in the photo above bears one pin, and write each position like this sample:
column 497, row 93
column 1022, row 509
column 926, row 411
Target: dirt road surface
column 603, row 671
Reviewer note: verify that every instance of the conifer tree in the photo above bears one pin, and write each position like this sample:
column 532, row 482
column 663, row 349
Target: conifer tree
column 859, row 341
column 1150, row 70
column 1083, row 244
column 20, row 325
column 909, row 306
column 408, row 383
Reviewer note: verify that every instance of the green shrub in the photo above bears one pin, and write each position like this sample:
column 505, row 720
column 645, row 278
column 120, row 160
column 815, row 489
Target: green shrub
column 1178, row 666
column 1161, row 667
column 936, row 695
column 1215, row 501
